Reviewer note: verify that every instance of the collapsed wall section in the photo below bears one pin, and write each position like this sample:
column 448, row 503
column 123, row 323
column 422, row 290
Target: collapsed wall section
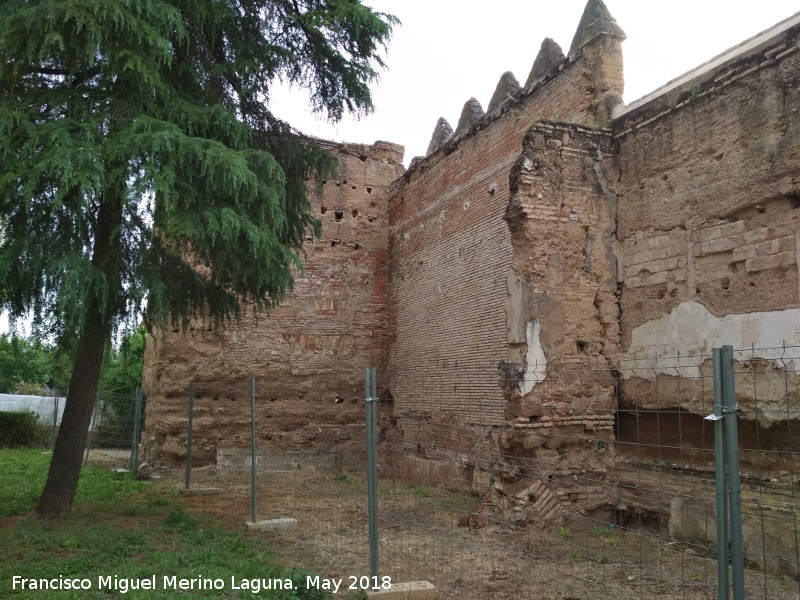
column 308, row 354
column 562, row 330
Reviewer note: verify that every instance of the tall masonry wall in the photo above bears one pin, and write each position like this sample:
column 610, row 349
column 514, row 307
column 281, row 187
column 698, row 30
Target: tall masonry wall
column 308, row 354
column 451, row 256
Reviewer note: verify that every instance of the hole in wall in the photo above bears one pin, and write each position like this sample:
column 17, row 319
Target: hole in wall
column 582, row 346
column 752, row 283
column 356, row 246
column 353, row 187
column 794, row 202
column 371, row 204
column 355, row 212
column 338, row 214
column 334, row 243
column 323, row 209
column 725, row 282
column 760, row 208
column 369, row 190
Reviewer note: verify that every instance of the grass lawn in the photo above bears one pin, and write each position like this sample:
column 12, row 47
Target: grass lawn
column 121, row 531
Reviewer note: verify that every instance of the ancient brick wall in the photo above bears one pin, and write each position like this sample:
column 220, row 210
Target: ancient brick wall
column 450, row 249
column 308, row 352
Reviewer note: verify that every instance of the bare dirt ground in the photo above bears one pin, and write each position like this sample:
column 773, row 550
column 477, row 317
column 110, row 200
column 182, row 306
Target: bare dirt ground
column 420, row 538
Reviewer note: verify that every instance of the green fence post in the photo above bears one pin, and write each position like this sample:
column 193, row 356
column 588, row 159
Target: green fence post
column 721, row 480
column 730, row 407
column 253, row 458
column 55, row 420
column 137, row 418
column 370, row 389
column 188, row 484
column 93, row 428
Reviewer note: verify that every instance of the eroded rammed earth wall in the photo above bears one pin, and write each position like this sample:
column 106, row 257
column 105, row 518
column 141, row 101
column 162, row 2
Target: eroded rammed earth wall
column 308, row 355
column 709, row 226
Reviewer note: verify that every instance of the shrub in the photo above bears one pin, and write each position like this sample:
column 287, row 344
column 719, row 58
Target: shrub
column 18, row 428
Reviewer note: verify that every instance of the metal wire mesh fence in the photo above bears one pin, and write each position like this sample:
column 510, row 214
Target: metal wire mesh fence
column 114, row 430
column 599, row 482
column 588, row 479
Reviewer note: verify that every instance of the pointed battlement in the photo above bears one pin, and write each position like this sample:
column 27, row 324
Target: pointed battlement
column 595, row 22
column 441, row 134
column 549, row 58
column 583, row 87
column 471, row 115
column 507, row 90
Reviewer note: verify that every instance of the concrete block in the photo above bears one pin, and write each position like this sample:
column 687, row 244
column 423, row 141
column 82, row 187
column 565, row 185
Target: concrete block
column 412, row 590
column 201, row 491
column 267, row 524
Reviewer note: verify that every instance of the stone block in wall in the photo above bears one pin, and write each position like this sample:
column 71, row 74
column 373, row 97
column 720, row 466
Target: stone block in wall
column 781, row 260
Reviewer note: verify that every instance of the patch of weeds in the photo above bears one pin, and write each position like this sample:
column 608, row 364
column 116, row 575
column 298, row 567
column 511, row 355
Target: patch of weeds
column 602, row 558
column 695, row 90
column 177, row 519
column 419, row 490
column 696, row 577
column 345, row 479
column 610, row 541
column 786, row 583
column 564, row 532
column 575, row 555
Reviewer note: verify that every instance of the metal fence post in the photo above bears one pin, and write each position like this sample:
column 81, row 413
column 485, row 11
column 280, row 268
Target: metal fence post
column 137, row 417
column 55, row 420
column 370, row 389
column 730, row 407
column 253, row 458
column 188, row 484
column 93, row 428
column 721, row 481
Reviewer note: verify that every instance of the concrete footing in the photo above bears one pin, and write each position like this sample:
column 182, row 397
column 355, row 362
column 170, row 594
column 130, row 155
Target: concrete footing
column 201, row 491
column 412, row 590
column 281, row 523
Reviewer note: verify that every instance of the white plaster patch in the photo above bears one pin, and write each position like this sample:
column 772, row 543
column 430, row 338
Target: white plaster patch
column 535, row 359
column 690, row 332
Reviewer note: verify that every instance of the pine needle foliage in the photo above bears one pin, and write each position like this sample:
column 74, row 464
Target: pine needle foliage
column 141, row 166
column 162, row 107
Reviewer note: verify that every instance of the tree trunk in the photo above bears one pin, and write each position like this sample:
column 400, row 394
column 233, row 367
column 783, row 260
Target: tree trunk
column 101, row 307
column 65, row 466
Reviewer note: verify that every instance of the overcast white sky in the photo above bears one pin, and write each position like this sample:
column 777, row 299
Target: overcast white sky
column 447, row 51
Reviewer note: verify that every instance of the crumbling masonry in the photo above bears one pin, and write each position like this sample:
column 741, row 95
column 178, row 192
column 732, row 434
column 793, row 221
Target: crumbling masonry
column 560, row 225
